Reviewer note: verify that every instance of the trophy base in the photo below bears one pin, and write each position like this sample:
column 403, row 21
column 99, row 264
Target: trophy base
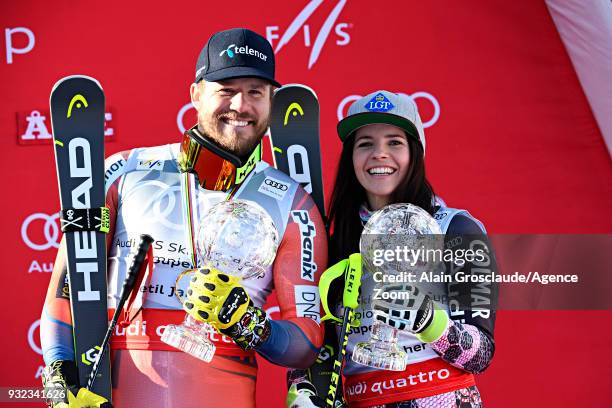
column 189, row 341
column 385, row 358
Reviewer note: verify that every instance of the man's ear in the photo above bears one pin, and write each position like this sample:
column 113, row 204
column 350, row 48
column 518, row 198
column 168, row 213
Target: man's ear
column 195, row 90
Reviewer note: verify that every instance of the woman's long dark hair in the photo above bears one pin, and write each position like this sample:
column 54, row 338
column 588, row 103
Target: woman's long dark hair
column 348, row 195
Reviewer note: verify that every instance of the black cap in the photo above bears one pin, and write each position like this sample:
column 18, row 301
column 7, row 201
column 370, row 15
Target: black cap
column 236, row 53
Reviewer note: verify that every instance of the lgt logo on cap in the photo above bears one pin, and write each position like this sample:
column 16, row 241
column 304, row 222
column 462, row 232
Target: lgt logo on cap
column 379, row 103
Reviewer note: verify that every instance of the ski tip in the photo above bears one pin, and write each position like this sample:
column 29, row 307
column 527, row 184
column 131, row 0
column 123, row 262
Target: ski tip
column 298, row 86
column 59, row 143
column 58, row 83
column 278, row 149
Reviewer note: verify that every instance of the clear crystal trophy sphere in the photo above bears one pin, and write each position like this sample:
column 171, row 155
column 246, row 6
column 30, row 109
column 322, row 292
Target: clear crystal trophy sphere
column 394, row 226
column 238, row 238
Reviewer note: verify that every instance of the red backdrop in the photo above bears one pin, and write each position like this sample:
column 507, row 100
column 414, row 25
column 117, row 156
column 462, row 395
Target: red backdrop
column 510, row 136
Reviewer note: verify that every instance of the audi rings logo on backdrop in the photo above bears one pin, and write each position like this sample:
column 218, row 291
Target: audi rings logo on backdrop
column 32, row 339
column 346, row 102
column 41, row 231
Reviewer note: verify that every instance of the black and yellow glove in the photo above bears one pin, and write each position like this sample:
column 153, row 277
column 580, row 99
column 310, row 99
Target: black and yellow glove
column 60, row 379
column 220, row 300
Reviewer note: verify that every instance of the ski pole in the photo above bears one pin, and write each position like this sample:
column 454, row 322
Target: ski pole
column 128, row 285
column 350, row 301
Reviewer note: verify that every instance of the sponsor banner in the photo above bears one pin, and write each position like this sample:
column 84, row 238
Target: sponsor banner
column 34, row 127
column 145, row 331
column 419, row 380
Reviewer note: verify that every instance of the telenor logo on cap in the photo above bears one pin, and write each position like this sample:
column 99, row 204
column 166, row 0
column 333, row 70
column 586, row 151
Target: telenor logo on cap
column 379, row 103
column 232, row 50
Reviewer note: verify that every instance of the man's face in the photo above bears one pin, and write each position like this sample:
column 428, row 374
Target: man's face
column 234, row 113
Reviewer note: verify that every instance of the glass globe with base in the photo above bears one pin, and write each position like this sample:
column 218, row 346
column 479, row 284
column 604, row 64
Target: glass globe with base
column 236, row 237
column 394, row 226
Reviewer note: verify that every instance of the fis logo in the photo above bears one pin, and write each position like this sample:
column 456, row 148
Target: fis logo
column 379, row 103
column 308, row 232
column 299, row 22
column 150, row 164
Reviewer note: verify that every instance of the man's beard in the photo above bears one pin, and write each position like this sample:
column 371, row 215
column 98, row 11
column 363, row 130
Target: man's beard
column 240, row 146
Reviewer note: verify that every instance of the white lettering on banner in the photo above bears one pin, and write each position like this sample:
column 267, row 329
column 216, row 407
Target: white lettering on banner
column 422, row 377
column 39, row 372
column 308, row 232
column 36, row 266
column 347, row 101
column 35, row 129
column 108, row 131
column 343, row 38
column 307, row 302
column 295, row 152
column 50, row 231
column 35, row 347
column 136, row 328
column 8, row 40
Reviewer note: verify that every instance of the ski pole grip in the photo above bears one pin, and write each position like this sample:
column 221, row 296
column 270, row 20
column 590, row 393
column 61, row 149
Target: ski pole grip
column 350, row 296
column 145, row 242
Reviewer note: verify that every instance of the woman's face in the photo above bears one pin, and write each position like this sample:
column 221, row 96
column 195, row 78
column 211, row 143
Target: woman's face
column 380, row 158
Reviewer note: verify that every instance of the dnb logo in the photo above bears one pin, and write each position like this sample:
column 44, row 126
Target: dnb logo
column 41, row 231
column 342, row 37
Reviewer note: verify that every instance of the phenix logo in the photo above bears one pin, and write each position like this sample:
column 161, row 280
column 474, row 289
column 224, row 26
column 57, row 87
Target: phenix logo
column 246, row 50
column 308, row 232
column 343, row 38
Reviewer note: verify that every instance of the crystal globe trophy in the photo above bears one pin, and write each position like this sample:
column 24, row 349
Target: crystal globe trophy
column 238, row 238
column 394, row 226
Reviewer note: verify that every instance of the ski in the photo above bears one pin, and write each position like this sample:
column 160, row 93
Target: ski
column 294, row 132
column 77, row 117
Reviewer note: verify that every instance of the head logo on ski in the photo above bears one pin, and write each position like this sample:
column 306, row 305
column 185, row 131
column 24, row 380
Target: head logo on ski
column 79, row 100
column 294, row 108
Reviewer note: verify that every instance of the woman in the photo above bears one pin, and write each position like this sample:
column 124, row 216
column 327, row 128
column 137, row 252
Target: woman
column 382, row 163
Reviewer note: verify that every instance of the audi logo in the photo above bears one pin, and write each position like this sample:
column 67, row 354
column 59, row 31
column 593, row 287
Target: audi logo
column 51, row 231
column 32, row 338
column 276, row 185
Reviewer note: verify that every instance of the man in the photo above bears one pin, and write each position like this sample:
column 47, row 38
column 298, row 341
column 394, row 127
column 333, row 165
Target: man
column 163, row 191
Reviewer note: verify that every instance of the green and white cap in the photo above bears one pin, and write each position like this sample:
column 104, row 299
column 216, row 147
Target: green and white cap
column 383, row 107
